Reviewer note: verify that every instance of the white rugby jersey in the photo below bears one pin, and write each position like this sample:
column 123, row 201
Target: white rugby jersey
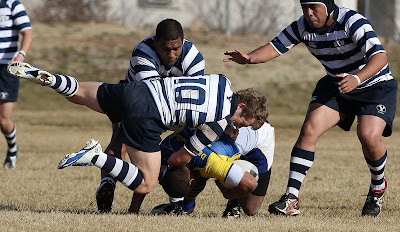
column 345, row 47
column 262, row 139
column 201, row 102
column 145, row 63
column 13, row 19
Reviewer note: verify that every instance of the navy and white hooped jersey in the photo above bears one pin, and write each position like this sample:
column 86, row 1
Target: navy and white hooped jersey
column 145, row 63
column 345, row 47
column 202, row 102
column 13, row 19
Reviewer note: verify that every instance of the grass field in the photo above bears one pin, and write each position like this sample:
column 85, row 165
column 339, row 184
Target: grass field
column 37, row 197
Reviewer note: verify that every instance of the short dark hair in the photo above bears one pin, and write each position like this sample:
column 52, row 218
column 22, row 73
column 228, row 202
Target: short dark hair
column 169, row 29
column 175, row 181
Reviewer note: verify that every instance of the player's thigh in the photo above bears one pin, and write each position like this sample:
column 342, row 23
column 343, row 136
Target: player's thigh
column 6, row 109
column 251, row 204
column 319, row 119
column 370, row 128
column 148, row 163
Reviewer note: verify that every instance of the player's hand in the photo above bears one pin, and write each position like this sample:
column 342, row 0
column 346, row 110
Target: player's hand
column 348, row 83
column 238, row 57
column 17, row 58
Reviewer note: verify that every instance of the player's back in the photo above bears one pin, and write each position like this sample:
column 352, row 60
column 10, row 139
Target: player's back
column 192, row 101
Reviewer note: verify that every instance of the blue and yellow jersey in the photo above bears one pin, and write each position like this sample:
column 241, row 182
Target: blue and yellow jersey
column 211, row 161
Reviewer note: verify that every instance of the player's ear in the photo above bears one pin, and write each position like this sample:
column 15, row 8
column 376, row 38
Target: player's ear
column 240, row 106
column 190, row 181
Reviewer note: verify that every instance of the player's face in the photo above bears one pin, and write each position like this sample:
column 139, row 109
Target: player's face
column 168, row 50
column 238, row 120
column 315, row 15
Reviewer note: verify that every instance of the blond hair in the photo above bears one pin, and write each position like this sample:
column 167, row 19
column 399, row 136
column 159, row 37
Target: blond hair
column 256, row 106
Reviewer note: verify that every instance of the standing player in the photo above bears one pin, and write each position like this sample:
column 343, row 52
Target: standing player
column 164, row 54
column 14, row 21
column 358, row 83
column 148, row 108
column 255, row 146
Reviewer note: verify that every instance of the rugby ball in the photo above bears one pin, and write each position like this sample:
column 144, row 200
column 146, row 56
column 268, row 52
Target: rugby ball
column 246, row 166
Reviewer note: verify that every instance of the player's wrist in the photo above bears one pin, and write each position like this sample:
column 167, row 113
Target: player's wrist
column 22, row 53
column 357, row 78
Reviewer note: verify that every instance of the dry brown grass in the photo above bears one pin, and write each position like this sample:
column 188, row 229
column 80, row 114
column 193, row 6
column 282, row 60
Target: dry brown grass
column 38, row 197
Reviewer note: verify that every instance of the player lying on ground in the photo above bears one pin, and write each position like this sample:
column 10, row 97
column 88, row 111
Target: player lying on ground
column 255, row 146
column 147, row 109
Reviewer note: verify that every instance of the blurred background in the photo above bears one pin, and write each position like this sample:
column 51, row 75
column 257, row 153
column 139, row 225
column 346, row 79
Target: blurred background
column 266, row 17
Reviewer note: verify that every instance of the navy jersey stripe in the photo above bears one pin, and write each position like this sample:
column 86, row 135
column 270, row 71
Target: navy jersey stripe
column 220, row 96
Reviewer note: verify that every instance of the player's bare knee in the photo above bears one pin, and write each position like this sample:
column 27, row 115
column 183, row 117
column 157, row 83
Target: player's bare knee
column 250, row 211
column 145, row 187
column 248, row 183
column 369, row 138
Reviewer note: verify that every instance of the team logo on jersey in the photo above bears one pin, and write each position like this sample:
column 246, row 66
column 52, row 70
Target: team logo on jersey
column 313, row 98
column 4, row 18
column 312, row 44
column 3, row 95
column 381, row 109
column 338, row 43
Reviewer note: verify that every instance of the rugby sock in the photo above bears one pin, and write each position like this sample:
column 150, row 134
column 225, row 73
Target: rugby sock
column 127, row 173
column 64, row 85
column 190, row 199
column 188, row 204
column 377, row 169
column 11, row 141
column 300, row 161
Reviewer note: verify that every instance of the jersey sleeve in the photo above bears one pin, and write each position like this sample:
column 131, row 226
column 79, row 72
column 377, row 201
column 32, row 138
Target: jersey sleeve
column 193, row 63
column 205, row 135
column 361, row 32
column 288, row 38
column 144, row 63
column 19, row 16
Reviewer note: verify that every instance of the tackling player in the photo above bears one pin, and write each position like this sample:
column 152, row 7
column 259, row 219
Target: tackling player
column 164, row 54
column 148, row 108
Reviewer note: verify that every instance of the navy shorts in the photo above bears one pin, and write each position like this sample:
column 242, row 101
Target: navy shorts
column 8, row 85
column 257, row 158
column 378, row 100
column 133, row 105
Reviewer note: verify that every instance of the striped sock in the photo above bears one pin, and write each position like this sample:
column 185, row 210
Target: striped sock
column 12, row 142
column 64, row 85
column 300, row 161
column 377, row 169
column 127, row 173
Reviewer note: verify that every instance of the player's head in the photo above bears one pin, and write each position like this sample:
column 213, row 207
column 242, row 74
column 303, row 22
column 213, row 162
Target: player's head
column 317, row 13
column 251, row 109
column 176, row 181
column 168, row 41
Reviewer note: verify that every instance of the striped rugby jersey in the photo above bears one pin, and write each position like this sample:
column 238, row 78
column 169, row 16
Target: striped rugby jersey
column 13, row 19
column 202, row 102
column 145, row 63
column 345, row 47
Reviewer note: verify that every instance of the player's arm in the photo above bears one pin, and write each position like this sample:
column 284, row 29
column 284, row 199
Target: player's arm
column 205, row 135
column 260, row 55
column 180, row 158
